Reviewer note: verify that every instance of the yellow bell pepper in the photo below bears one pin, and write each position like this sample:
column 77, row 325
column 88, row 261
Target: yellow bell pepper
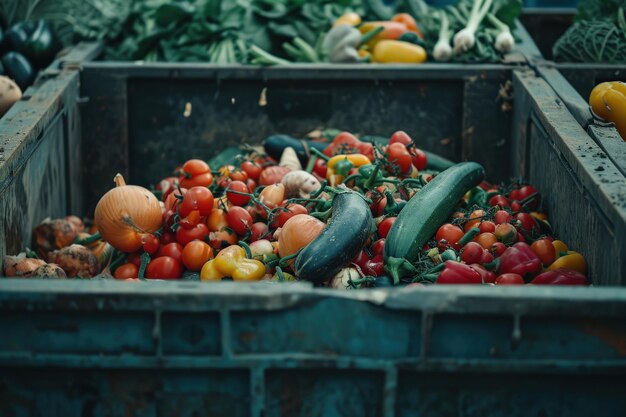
column 232, row 262
column 608, row 101
column 573, row 261
column 400, row 52
column 210, row 273
column 335, row 172
column 349, row 18
column 559, row 247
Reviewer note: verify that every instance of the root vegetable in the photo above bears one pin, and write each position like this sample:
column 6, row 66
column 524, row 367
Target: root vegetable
column 10, row 94
column 300, row 184
column 52, row 234
column 289, row 159
column 49, row 271
column 76, row 261
column 125, row 214
column 465, row 39
column 343, row 279
column 20, row 266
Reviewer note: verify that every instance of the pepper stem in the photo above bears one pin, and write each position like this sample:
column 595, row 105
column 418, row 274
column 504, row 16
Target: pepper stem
column 398, row 268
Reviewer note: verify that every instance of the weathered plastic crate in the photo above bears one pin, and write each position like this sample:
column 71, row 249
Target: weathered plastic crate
column 108, row 348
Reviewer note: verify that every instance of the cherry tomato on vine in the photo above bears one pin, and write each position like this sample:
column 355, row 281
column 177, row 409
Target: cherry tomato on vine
column 168, row 237
column 173, row 250
column 151, row 245
column 257, row 231
column 385, row 226
column 238, row 175
column 195, row 172
column 184, row 236
column 502, row 216
column 174, row 199
column 196, row 198
column 127, row 270
column 320, row 167
column 450, row 233
column 400, row 137
column 419, row 159
column 486, row 240
column 292, row 210
column 222, row 238
column 166, row 186
column 400, row 157
column 253, row 170
column 487, row 227
column 497, row 249
column 195, row 254
column 472, row 253
column 234, row 188
column 499, row 200
column 239, row 220
column 164, row 267
column 191, row 220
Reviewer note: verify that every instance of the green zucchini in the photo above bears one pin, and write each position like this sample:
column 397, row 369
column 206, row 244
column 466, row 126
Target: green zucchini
column 341, row 240
column 426, row 211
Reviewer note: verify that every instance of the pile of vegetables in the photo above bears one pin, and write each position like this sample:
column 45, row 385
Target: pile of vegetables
column 337, row 210
column 597, row 35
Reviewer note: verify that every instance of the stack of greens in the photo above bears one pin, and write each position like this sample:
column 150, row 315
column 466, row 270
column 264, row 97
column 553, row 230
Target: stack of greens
column 598, row 34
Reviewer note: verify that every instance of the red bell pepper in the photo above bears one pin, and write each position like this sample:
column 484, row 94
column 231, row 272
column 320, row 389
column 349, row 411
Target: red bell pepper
column 459, row 273
column 375, row 266
column 487, row 276
column 519, row 259
column 560, row 276
column 347, row 143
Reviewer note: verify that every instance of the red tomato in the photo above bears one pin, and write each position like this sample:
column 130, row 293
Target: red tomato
column 528, row 222
column 195, row 254
column 472, row 253
column 239, row 220
column 450, row 233
column 251, row 184
column 506, row 233
column 258, row 231
column 497, row 248
column 293, row 209
column 520, row 237
column 173, row 199
column 470, row 225
column 125, row 271
column 197, row 198
column 400, row 157
column 168, row 237
column 272, row 175
column 194, row 167
column 502, row 216
column 253, row 170
column 191, row 220
column 485, row 240
column 499, row 200
column 164, row 267
column 238, row 175
column 487, row 227
column 234, row 197
column 378, row 247
column 525, row 192
column 173, row 250
column 516, row 206
column 320, row 167
column 151, row 245
column 379, row 200
column 400, row 137
column 510, row 279
column 184, row 236
column 515, row 195
column 544, row 250
column 134, row 258
column 418, row 158
column 486, row 258
column 385, row 226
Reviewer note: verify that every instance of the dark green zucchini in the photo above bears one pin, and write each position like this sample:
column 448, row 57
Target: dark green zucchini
column 275, row 145
column 340, row 241
column 426, row 211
